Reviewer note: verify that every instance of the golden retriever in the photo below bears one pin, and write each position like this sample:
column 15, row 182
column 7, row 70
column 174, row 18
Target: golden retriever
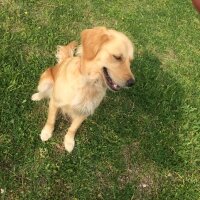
column 77, row 84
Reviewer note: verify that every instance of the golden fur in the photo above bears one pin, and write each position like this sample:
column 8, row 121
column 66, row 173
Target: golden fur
column 77, row 84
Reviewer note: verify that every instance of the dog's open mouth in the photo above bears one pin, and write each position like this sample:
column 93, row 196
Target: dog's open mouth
column 109, row 81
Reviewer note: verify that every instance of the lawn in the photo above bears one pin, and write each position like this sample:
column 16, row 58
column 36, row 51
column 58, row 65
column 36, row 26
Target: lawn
column 142, row 143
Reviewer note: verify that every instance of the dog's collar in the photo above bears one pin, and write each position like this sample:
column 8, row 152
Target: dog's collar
column 75, row 51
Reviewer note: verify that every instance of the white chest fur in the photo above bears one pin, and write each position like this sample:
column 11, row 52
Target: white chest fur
column 88, row 99
column 82, row 99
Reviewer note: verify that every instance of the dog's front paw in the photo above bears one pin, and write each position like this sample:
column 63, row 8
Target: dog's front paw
column 69, row 143
column 46, row 133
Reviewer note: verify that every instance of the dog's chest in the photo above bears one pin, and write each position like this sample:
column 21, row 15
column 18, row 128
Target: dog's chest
column 87, row 100
column 80, row 96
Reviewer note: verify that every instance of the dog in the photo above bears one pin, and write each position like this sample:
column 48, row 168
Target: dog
column 77, row 84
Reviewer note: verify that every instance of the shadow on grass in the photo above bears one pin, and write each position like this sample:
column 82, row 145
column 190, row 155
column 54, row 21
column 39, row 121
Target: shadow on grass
column 140, row 128
column 157, row 115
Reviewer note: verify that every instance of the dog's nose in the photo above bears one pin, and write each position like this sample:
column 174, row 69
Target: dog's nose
column 130, row 82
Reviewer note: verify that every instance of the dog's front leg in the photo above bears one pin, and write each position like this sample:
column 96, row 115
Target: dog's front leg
column 69, row 137
column 47, row 131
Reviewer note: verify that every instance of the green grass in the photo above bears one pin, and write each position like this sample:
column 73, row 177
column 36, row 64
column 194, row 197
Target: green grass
column 142, row 143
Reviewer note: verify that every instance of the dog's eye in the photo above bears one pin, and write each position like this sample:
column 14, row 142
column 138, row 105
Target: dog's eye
column 118, row 58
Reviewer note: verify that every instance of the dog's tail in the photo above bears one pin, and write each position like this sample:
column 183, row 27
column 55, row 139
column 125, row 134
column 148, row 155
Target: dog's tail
column 66, row 51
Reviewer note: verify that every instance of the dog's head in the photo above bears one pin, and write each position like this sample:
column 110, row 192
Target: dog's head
column 109, row 54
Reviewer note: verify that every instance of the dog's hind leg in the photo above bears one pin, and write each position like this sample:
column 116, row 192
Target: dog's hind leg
column 45, row 86
column 47, row 78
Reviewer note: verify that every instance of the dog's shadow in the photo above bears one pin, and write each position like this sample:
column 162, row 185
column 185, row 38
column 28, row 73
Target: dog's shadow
column 150, row 112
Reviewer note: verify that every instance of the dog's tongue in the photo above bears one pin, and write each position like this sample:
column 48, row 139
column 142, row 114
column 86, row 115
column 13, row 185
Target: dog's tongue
column 115, row 86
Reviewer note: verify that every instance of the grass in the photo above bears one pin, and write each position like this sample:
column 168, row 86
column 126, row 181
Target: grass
column 142, row 143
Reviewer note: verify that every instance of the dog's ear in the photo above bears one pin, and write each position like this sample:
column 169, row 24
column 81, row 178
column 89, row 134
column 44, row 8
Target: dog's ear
column 92, row 40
